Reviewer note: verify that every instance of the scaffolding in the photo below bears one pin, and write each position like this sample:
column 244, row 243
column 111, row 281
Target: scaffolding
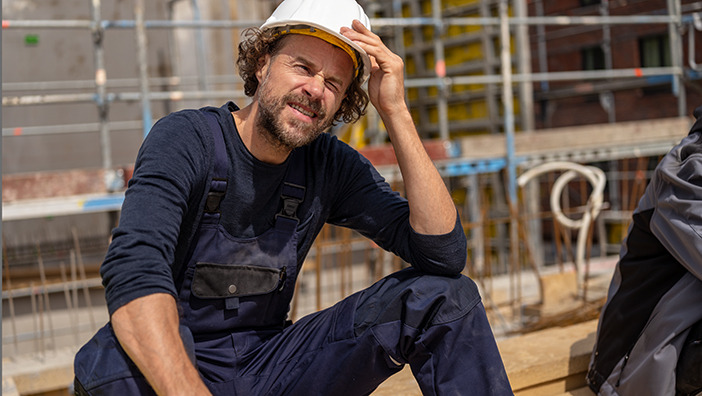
column 482, row 171
column 491, row 28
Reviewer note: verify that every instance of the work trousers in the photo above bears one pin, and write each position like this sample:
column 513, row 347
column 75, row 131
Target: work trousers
column 435, row 324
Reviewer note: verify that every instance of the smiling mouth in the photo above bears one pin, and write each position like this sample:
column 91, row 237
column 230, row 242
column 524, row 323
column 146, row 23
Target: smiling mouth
column 302, row 110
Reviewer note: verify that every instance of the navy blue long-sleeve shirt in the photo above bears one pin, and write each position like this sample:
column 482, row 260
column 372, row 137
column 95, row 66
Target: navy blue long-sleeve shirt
column 171, row 176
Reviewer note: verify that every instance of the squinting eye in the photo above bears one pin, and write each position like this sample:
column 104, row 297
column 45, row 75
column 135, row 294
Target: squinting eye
column 332, row 86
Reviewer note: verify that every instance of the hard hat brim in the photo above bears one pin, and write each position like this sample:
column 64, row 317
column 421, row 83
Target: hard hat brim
column 365, row 66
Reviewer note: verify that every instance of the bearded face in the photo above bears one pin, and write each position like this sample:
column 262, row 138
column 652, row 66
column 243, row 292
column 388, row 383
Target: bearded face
column 290, row 132
column 300, row 89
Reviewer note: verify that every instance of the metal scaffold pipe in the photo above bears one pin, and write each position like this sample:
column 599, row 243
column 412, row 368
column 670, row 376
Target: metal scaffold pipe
column 114, row 83
column 101, row 91
column 544, row 20
column 676, row 53
column 440, row 69
column 143, row 66
column 508, row 105
column 376, row 22
column 118, row 97
column 508, row 101
column 126, row 24
column 70, row 128
column 633, row 73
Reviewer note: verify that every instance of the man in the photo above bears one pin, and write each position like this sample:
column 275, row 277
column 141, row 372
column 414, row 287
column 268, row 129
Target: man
column 198, row 297
column 649, row 334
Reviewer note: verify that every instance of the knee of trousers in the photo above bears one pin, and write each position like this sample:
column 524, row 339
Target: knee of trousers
column 416, row 299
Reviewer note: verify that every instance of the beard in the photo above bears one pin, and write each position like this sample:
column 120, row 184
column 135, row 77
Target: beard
column 293, row 133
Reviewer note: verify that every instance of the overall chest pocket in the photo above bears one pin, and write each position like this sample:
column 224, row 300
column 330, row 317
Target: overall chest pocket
column 214, row 281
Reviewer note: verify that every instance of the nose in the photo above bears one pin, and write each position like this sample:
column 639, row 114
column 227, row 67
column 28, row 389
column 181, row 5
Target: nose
column 314, row 87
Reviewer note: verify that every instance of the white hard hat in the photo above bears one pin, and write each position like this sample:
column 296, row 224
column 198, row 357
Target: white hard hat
column 323, row 19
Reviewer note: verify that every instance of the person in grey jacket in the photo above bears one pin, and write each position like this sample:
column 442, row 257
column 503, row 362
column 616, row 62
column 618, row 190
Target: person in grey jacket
column 648, row 334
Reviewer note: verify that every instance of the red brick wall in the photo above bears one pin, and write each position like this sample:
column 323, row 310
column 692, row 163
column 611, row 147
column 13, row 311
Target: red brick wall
column 564, row 45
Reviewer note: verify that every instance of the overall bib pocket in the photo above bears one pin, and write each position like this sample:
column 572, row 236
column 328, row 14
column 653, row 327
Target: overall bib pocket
column 237, row 291
column 224, row 281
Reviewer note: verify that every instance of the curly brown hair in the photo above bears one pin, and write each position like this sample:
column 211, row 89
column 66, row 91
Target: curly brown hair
column 257, row 43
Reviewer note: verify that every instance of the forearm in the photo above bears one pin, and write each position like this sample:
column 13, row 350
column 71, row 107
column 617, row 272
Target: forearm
column 148, row 330
column 431, row 208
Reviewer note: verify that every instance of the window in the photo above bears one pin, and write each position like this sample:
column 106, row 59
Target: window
column 655, row 51
column 593, row 58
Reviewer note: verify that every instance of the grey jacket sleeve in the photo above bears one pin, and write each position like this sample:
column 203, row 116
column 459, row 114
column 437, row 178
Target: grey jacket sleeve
column 676, row 193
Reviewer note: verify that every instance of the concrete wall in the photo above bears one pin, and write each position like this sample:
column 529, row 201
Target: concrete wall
column 66, row 56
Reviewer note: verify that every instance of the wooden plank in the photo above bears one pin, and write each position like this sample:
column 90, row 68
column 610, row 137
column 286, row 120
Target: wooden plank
column 548, row 355
column 556, row 387
column 48, row 380
column 402, row 383
column 584, row 391
column 38, row 374
column 8, row 387
column 625, row 134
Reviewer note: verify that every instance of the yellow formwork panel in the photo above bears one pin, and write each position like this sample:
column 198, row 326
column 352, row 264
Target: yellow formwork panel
column 407, row 37
column 433, row 91
column 475, row 109
column 458, row 30
column 458, row 3
column 426, row 5
column 429, row 60
column 461, row 111
column 412, row 94
column 410, row 65
column 469, row 87
column 406, row 11
column 454, row 55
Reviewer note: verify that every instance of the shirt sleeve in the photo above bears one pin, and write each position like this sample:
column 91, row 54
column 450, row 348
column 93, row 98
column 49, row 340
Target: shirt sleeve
column 167, row 181
column 366, row 203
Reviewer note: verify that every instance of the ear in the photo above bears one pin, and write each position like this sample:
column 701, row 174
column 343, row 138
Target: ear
column 263, row 64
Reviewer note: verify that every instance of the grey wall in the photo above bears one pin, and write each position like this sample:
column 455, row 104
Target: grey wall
column 67, row 56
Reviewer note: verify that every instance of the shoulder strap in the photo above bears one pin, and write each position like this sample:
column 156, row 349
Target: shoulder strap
column 293, row 192
column 215, row 193
column 218, row 185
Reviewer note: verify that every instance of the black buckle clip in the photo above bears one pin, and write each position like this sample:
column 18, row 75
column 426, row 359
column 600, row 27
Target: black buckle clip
column 214, row 198
column 289, row 209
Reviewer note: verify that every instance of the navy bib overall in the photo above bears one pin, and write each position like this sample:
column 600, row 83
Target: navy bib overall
column 237, row 291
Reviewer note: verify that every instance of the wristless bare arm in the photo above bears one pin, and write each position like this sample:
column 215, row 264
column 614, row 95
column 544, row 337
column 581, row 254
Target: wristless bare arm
column 431, row 208
column 148, row 330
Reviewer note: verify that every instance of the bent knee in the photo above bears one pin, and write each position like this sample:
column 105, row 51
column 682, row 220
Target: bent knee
column 416, row 299
column 456, row 296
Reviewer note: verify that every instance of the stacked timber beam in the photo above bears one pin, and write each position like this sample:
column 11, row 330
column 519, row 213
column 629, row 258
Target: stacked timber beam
column 604, row 141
